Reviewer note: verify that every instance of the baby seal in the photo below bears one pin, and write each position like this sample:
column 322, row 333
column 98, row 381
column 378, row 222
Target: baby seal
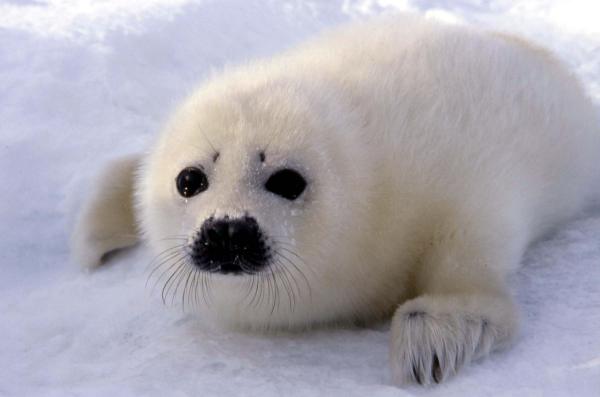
column 394, row 168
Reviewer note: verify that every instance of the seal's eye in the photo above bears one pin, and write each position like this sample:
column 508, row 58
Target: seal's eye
column 286, row 183
column 191, row 181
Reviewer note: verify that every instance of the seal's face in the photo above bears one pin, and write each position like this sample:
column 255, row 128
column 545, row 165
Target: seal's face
column 244, row 199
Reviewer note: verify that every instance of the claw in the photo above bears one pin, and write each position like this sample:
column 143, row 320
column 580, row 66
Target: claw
column 416, row 374
column 436, row 369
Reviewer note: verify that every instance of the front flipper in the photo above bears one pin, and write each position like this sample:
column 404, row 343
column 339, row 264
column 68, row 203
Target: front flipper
column 433, row 337
column 107, row 222
column 463, row 310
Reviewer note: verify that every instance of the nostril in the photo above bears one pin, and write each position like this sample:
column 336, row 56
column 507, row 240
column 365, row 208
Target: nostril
column 215, row 233
column 244, row 234
column 212, row 236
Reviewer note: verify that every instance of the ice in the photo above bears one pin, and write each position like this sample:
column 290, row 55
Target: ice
column 84, row 81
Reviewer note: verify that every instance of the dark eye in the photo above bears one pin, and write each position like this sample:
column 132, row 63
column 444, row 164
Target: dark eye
column 286, row 183
column 191, row 181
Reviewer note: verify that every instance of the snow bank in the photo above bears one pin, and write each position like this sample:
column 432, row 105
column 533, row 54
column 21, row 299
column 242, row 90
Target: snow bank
column 84, row 81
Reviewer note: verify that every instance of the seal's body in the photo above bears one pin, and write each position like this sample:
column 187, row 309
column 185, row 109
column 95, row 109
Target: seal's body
column 399, row 166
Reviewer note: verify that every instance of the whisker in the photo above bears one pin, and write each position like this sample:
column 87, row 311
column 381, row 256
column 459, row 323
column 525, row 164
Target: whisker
column 208, row 288
column 255, row 286
column 297, row 270
column 215, row 151
column 164, row 253
column 191, row 285
column 286, row 283
column 176, row 258
column 275, row 291
column 193, row 292
column 250, row 282
column 163, row 295
column 185, row 239
column 294, row 254
column 248, row 289
column 201, row 288
column 291, row 274
column 183, row 295
column 177, row 281
column 290, row 249
column 204, row 286
column 263, row 291
column 168, row 258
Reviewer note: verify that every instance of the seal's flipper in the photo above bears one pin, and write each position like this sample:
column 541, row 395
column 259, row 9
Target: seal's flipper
column 107, row 222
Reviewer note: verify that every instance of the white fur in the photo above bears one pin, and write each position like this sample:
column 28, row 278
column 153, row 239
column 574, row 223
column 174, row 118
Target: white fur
column 107, row 220
column 434, row 155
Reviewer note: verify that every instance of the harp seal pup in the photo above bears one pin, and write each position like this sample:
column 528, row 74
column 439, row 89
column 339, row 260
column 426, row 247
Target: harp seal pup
column 392, row 168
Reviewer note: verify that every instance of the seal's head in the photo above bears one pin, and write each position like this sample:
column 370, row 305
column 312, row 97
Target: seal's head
column 257, row 199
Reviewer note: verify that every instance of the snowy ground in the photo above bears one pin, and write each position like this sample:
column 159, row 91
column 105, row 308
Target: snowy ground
column 83, row 81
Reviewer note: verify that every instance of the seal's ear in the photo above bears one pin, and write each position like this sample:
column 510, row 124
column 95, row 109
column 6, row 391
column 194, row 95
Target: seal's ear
column 107, row 222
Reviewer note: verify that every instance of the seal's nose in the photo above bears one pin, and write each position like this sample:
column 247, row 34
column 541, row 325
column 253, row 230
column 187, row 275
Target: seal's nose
column 230, row 246
column 236, row 234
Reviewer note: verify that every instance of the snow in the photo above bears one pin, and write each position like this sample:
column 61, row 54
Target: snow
column 84, row 81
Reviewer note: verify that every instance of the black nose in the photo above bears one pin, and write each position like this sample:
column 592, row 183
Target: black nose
column 232, row 235
column 230, row 246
